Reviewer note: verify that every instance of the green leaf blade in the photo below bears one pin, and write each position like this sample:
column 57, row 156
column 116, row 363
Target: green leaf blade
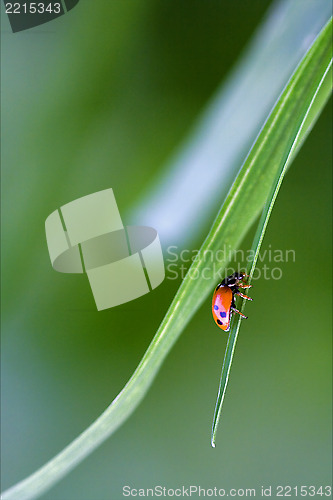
column 246, row 198
column 318, row 89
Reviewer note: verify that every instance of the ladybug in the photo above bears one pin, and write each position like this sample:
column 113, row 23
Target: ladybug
column 223, row 304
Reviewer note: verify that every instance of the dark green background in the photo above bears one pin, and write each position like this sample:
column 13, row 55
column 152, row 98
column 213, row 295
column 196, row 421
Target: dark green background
column 138, row 75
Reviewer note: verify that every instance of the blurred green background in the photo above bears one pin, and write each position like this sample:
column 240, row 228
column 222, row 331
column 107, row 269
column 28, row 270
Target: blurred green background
column 96, row 100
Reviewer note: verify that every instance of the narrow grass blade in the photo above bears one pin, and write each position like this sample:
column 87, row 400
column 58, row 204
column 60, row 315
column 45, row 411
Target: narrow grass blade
column 258, row 239
column 246, row 198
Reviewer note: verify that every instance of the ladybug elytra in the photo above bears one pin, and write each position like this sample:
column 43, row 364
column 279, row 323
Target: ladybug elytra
column 223, row 305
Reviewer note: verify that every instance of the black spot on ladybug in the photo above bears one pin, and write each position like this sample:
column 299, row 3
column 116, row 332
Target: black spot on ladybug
column 219, row 322
column 223, row 314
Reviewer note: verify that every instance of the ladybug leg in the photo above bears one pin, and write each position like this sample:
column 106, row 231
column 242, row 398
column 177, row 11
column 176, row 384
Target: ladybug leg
column 236, row 311
column 243, row 296
column 244, row 286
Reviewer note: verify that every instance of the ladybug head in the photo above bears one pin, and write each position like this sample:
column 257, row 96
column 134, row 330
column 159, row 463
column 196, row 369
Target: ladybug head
column 234, row 278
column 238, row 276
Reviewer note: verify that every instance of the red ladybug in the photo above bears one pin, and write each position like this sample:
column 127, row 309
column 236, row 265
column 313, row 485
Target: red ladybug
column 223, row 304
